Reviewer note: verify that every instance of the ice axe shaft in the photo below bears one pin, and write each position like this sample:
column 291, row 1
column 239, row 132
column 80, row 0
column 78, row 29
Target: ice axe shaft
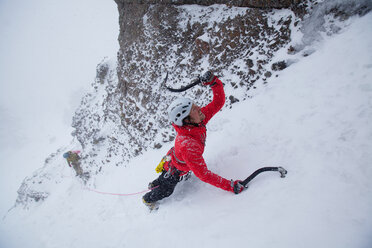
column 281, row 170
column 184, row 88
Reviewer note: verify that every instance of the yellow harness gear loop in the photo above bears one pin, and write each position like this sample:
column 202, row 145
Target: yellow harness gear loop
column 160, row 168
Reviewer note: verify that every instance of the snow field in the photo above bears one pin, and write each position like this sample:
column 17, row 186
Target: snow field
column 314, row 119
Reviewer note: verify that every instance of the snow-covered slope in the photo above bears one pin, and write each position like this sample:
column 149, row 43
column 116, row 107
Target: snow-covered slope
column 314, row 119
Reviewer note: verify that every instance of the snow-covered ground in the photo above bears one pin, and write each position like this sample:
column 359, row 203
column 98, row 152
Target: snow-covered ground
column 314, row 119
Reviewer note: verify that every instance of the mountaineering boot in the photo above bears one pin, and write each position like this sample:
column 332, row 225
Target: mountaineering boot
column 151, row 205
column 153, row 184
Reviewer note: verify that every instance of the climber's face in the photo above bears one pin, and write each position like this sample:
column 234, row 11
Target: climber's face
column 196, row 116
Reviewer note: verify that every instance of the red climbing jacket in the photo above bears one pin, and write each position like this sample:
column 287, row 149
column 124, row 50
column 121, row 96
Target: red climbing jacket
column 190, row 142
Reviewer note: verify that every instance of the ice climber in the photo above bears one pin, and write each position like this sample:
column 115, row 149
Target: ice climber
column 73, row 160
column 189, row 121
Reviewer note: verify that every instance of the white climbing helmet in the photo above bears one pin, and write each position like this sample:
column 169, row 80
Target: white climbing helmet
column 179, row 109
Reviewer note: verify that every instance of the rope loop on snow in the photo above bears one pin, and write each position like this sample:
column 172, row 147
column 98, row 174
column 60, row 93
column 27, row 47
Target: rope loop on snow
column 108, row 193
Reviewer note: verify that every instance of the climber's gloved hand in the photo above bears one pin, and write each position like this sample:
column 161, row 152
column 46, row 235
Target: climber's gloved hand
column 237, row 186
column 208, row 78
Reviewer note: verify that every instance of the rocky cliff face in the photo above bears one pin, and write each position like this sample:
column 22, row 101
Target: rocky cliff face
column 127, row 112
column 185, row 40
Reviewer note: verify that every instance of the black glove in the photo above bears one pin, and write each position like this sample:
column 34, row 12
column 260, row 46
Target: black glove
column 237, row 186
column 207, row 78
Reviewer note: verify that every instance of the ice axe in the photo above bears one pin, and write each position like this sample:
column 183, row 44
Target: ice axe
column 197, row 81
column 281, row 170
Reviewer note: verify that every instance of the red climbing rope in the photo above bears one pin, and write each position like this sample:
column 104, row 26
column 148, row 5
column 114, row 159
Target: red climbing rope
column 107, row 193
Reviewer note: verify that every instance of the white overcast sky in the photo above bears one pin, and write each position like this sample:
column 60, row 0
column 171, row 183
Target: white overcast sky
column 49, row 50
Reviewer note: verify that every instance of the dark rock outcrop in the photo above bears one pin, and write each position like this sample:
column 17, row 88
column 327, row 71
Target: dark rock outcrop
column 237, row 3
column 155, row 38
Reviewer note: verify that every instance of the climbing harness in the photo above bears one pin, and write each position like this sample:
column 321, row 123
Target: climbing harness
column 174, row 154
